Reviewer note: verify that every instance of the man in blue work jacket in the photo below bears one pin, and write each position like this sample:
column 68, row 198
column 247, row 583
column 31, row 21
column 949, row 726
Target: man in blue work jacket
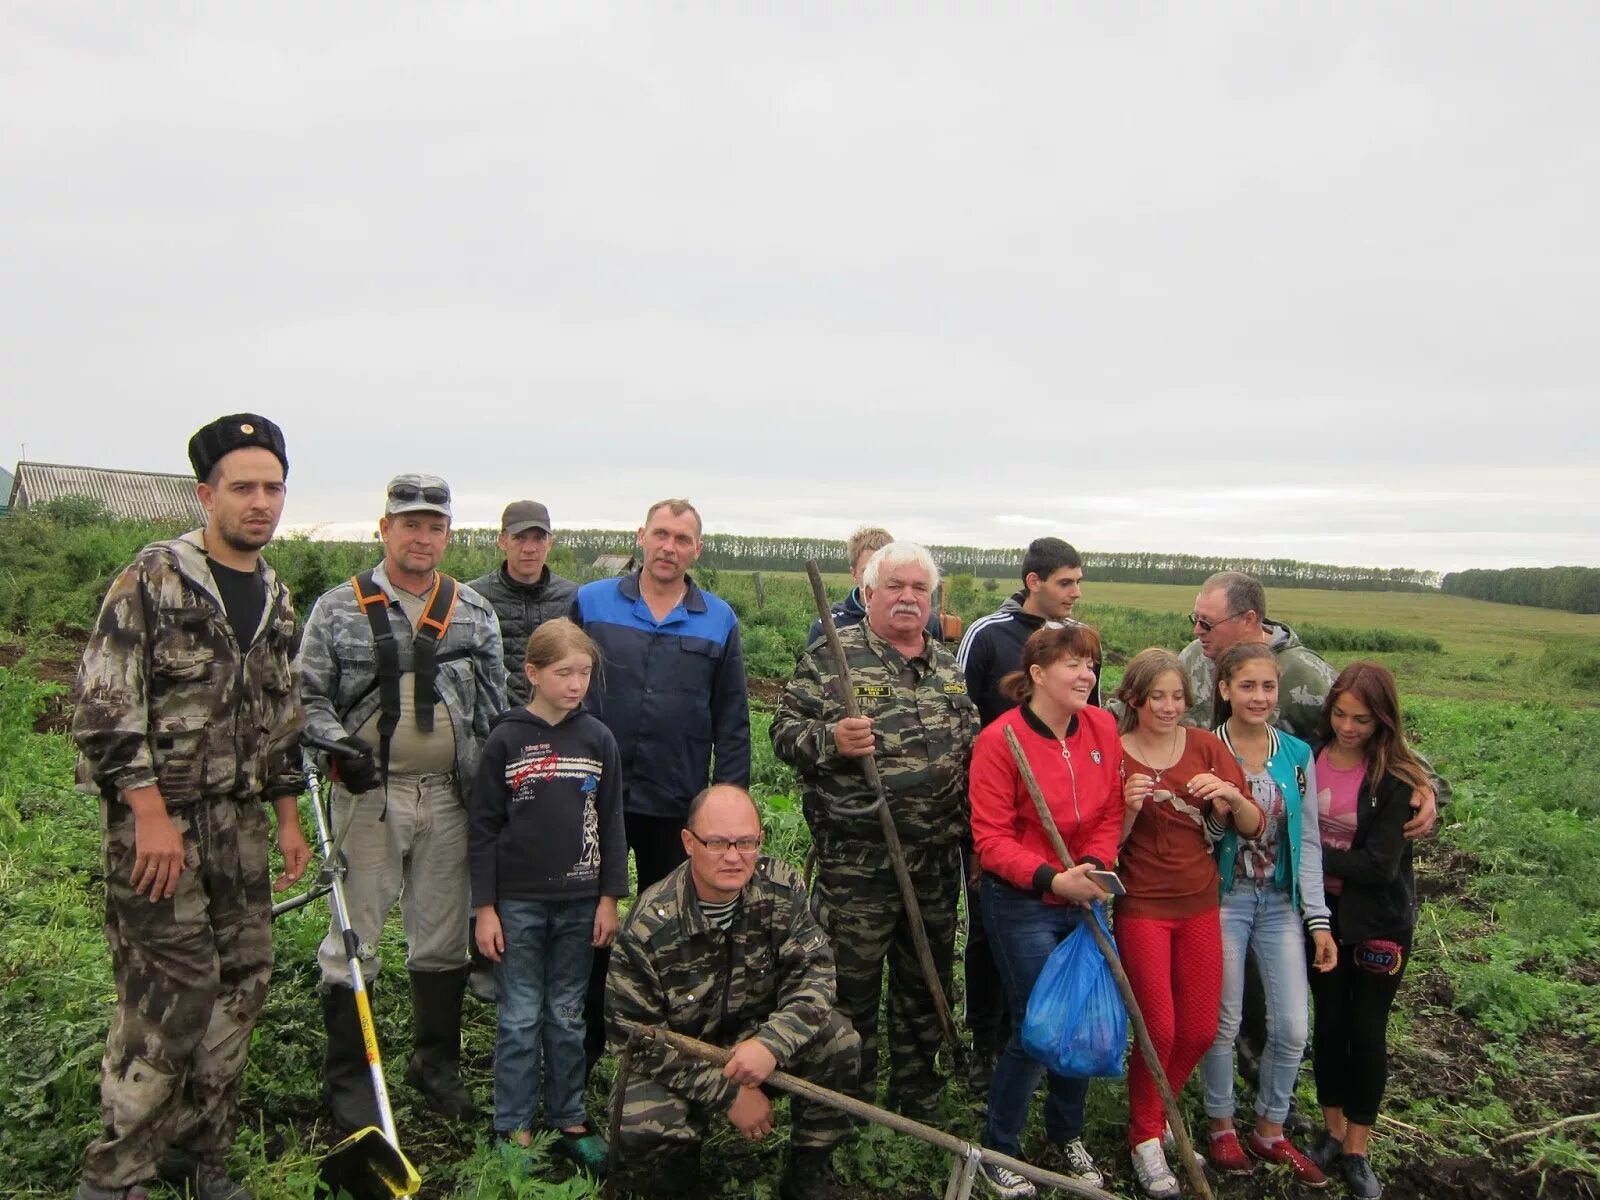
column 672, row 690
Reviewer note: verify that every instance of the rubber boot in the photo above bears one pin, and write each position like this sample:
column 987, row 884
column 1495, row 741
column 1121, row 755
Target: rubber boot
column 435, row 1066
column 808, row 1174
column 346, row 1078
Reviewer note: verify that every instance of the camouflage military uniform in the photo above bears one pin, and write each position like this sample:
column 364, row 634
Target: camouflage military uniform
column 923, row 725
column 769, row 976
column 166, row 698
column 1303, row 682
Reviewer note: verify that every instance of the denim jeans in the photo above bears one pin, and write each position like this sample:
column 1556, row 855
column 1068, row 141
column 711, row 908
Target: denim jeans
column 1023, row 931
column 1260, row 920
column 540, row 984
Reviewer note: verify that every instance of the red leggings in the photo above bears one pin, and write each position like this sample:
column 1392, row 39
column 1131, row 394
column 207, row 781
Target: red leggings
column 1175, row 967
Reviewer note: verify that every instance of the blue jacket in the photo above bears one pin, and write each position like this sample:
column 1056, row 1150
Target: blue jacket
column 669, row 692
column 1299, row 872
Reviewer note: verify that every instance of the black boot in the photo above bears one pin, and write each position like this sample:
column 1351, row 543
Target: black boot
column 808, row 1175
column 435, row 1066
column 346, row 1078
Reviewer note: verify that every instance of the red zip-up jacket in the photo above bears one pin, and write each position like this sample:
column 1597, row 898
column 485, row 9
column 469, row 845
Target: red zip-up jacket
column 1084, row 793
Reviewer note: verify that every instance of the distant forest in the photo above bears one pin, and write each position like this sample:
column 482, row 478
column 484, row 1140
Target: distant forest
column 737, row 552
column 1576, row 589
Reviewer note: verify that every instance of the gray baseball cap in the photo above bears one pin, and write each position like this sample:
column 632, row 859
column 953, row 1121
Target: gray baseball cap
column 524, row 514
column 417, row 493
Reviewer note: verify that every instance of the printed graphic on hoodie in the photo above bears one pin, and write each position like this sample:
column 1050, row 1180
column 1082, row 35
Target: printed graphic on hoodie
column 538, row 762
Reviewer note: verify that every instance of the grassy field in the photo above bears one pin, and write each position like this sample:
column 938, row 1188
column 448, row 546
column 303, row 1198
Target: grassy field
column 1497, row 1037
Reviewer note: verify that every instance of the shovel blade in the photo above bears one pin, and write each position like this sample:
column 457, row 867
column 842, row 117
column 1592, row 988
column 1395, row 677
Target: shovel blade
column 368, row 1166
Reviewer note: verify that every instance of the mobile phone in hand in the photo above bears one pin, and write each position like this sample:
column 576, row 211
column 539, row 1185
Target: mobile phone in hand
column 1109, row 882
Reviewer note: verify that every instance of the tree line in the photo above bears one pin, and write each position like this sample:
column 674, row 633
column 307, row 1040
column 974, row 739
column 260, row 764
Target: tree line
column 743, row 552
column 1575, row 589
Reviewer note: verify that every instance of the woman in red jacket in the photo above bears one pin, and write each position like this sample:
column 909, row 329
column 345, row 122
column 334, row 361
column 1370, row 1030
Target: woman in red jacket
column 1032, row 900
column 1184, row 789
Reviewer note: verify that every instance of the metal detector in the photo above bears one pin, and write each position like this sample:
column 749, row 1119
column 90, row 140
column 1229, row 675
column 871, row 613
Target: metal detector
column 367, row 1165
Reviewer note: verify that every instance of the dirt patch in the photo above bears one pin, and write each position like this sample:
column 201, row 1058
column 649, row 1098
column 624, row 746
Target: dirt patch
column 1443, row 870
column 54, row 660
column 765, row 693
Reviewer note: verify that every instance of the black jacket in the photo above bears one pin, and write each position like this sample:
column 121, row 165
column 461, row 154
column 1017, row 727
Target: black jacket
column 1379, row 899
column 545, row 816
column 522, row 608
column 992, row 648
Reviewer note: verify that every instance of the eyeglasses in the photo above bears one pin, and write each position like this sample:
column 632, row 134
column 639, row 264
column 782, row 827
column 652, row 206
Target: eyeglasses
column 407, row 492
column 721, row 845
column 1205, row 626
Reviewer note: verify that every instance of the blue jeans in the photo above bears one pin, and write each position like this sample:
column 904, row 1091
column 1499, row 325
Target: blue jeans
column 540, row 984
column 1258, row 919
column 1023, row 931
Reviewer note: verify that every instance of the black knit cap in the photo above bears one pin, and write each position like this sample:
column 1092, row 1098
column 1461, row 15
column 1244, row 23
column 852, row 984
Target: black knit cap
column 230, row 433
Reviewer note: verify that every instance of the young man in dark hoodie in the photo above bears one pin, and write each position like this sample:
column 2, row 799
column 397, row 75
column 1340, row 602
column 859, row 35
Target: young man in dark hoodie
column 1052, row 577
column 549, row 860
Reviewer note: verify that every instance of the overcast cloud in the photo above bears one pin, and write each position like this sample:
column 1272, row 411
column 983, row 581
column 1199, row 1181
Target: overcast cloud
column 1268, row 279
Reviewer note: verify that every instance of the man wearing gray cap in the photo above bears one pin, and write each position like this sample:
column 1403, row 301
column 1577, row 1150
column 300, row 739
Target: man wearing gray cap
column 524, row 591
column 403, row 664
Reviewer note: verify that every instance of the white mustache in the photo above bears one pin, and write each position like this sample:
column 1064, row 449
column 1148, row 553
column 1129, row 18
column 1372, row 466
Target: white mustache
column 912, row 609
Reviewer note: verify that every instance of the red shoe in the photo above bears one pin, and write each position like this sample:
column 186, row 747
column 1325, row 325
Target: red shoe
column 1285, row 1151
column 1227, row 1155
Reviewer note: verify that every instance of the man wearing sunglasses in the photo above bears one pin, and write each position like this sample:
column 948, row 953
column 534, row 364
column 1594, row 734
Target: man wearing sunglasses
column 404, row 665
column 725, row 949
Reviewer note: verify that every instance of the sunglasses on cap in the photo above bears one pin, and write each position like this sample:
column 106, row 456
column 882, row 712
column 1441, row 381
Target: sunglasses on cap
column 409, row 492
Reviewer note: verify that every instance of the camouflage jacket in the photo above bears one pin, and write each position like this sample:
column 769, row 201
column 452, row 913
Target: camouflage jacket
column 769, row 976
column 923, row 724
column 339, row 668
column 1303, row 682
column 167, row 697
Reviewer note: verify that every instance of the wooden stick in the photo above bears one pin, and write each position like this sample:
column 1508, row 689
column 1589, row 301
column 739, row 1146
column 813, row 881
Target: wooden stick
column 1141, row 1032
column 619, row 1087
column 1526, row 1134
column 891, row 835
column 817, row 1094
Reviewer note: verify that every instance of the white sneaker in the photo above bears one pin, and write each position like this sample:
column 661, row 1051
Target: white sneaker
column 1004, row 1182
column 1169, row 1143
column 1079, row 1165
column 1150, row 1169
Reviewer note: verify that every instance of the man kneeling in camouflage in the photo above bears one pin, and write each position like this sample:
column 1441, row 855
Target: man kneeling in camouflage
column 725, row 949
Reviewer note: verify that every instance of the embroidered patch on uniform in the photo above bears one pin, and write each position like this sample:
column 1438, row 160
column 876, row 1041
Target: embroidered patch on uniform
column 1094, row 757
column 955, row 689
column 1380, row 956
column 873, row 690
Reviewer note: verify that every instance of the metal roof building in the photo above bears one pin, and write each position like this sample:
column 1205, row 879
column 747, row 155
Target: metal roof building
column 148, row 495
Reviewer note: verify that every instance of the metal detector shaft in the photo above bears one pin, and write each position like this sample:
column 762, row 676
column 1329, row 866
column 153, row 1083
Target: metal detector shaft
column 891, row 835
column 1141, row 1032
column 330, row 860
column 352, row 947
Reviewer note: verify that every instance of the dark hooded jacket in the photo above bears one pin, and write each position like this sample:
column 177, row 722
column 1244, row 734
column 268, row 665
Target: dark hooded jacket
column 992, row 648
column 522, row 608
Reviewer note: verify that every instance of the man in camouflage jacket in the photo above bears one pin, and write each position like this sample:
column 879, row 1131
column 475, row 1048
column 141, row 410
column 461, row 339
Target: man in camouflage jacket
column 920, row 723
column 408, row 838
column 187, row 721
column 725, row 949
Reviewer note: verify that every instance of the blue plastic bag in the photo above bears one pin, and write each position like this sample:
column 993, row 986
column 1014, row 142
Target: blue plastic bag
column 1076, row 1023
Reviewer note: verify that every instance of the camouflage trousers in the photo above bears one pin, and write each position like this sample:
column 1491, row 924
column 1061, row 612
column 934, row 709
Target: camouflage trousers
column 857, row 902
column 191, row 974
column 657, row 1120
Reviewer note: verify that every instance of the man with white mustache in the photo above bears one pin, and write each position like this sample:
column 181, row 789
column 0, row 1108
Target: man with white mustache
column 919, row 721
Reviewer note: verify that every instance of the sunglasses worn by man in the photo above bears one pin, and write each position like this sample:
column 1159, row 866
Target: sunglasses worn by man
column 1205, row 626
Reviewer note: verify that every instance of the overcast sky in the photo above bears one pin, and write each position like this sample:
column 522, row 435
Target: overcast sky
column 1319, row 281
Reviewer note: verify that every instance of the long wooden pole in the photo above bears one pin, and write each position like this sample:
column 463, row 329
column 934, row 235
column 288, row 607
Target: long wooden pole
column 891, row 835
column 1141, row 1032
column 817, row 1094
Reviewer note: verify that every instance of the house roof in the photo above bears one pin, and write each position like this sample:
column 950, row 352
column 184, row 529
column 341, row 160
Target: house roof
column 145, row 494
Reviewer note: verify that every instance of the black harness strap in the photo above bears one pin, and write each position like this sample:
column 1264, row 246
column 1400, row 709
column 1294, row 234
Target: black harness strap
column 425, row 646
column 424, row 653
